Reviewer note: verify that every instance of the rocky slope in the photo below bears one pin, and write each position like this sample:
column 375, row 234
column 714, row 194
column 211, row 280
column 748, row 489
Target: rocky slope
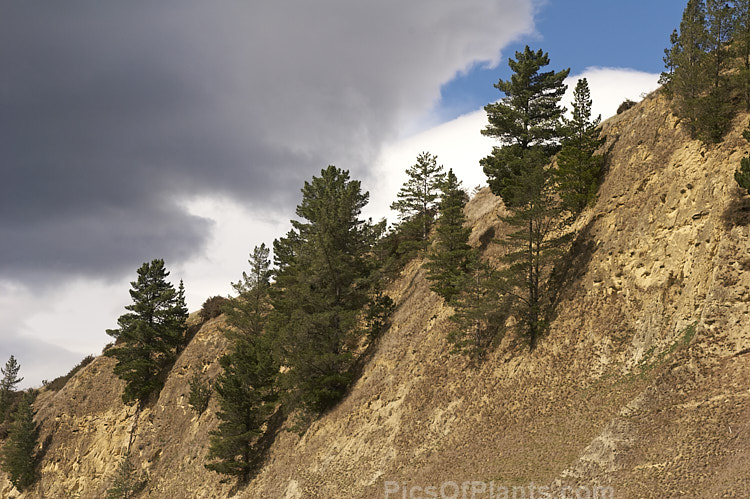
column 642, row 384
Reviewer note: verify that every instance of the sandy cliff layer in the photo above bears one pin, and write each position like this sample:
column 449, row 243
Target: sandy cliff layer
column 642, row 383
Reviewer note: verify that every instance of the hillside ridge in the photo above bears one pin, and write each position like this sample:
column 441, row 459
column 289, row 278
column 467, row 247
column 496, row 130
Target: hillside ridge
column 642, row 383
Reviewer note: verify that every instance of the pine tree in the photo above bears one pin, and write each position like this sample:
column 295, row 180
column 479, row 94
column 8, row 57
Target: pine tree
column 419, row 196
column 450, row 255
column 150, row 336
column 742, row 176
column 690, row 78
column 247, row 394
column 18, row 455
column 247, row 389
column 247, row 314
column 670, row 55
column 128, row 481
column 8, row 385
column 323, row 283
column 528, row 123
column 742, row 44
column 701, row 60
column 178, row 328
column 479, row 311
column 715, row 105
column 578, row 168
column 720, row 25
column 200, row 393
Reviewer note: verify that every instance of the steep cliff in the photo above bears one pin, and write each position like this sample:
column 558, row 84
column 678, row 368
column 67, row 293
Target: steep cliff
column 641, row 384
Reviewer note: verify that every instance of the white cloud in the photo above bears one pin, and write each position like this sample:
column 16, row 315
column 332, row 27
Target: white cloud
column 611, row 86
column 458, row 144
column 236, row 231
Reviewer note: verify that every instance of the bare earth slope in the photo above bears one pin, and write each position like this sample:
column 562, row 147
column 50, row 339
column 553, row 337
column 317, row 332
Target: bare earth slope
column 642, row 384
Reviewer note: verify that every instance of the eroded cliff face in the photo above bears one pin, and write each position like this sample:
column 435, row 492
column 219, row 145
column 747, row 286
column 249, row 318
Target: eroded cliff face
column 86, row 431
column 642, row 384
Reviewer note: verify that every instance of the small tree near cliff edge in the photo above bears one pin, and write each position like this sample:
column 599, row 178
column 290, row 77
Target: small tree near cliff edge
column 18, row 456
column 8, row 385
column 151, row 334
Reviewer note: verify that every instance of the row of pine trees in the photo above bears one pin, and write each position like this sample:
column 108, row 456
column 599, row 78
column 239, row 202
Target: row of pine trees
column 707, row 66
column 297, row 330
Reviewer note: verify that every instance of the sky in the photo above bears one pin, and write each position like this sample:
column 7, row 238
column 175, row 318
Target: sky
column 184, row 130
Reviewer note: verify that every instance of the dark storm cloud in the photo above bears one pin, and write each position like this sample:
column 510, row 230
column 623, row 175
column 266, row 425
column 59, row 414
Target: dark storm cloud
column 112, row 113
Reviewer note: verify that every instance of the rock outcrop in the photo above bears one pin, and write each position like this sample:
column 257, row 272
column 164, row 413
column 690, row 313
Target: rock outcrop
column 642, row 383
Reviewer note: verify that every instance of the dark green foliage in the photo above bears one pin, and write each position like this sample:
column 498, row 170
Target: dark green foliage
column 177, row 337
column 200, row 393
column 378, row 313
column 479, row 311
column 418, row 198
column 323, row 282
column 533, row 249
column 625, row 105
column 578, row 168
column 665, row 78
column 8, row 385
column 127, row 483
column 688, row 57
column 58, row 383
column 151, row 335
column 700, row 62
column 247, row 314
column 248, row 393
column 247, row 389
column 715, row 107
column 742, row 48
column 742, row 176
column 528, row 122
column 450, row 255
column 742, row 31
column 18, row 453
column 213, row 307
column 398, row 247
column 10, row 375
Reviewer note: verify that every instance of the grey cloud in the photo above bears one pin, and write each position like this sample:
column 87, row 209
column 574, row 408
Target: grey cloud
column 38, row 360
column 110, row 113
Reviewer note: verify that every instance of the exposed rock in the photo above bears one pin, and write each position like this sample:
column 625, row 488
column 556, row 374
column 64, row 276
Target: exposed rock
column 641, row 384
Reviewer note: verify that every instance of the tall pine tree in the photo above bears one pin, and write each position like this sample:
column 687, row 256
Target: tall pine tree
column 742, row 47
column 670, row 57
column 449, row 258
column 528, row 123
column 151, row 334
column 323, row 282
column 578, row 168
column 18, row 453
column 690, row 79
column 418, row 198
column 479, row 310
column 700, row 62
column 8, row 386
column 715, row 105
column 247, row 388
